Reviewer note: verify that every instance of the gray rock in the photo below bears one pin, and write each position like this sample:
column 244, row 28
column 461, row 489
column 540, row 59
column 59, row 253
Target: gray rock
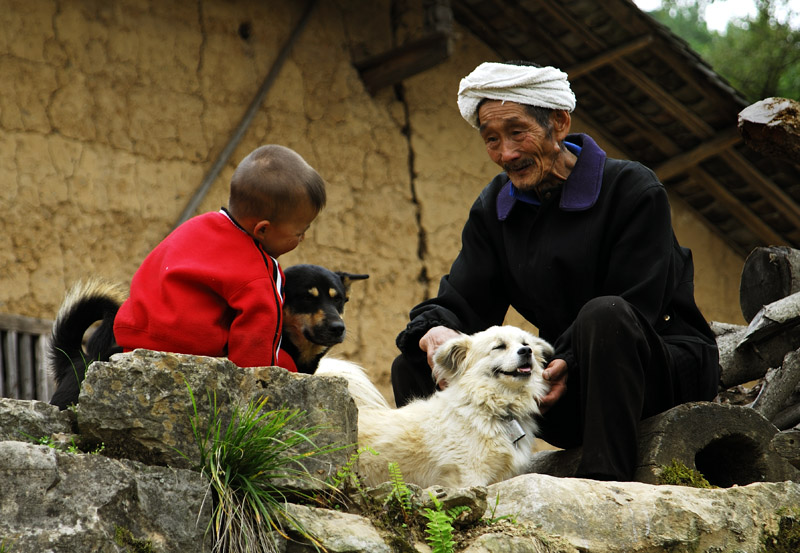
column 28, row 421
column 337, row 532
column 614, row 517
column 61, row 502
column 138, row 404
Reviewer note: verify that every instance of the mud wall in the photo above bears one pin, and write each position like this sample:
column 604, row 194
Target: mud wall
column 111, row 113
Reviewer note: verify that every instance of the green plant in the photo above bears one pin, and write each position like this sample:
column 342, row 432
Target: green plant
column 491, row 519
column 400, row 492
column 346, row 475
column 439, row 528
column 243, row 461
column 124, row 537
column 678, row 474
column 72, row 447
column 5, row 547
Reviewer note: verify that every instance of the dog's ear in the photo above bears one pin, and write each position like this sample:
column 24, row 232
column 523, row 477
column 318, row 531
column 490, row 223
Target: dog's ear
column 348, row 278
column 545, row 351
column 449, row 358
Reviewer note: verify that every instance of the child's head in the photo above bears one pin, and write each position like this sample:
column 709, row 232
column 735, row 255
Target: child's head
column 275, row 195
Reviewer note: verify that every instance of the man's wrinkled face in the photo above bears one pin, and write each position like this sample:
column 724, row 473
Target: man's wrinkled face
column 515, row 141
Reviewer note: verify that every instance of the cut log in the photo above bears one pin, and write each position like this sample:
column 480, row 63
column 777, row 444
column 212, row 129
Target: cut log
column 787, row 444
column 744, row 360
column 769, row 274
column 779, row 384
column 772, row 127
column 788, row 417
column 728, row 444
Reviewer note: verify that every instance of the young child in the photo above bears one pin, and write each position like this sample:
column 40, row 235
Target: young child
column 213, row 286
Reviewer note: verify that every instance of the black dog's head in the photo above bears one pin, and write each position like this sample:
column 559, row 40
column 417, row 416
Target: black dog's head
column 312, row 312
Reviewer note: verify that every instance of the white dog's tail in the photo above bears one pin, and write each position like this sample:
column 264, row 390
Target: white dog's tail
column 365, row 394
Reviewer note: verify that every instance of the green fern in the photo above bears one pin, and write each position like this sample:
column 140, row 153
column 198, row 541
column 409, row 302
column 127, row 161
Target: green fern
column 346, row 474
column 400, row 490
column 439, row 528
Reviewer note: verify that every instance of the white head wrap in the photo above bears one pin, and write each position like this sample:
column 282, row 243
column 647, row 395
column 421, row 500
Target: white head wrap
column 545, row 87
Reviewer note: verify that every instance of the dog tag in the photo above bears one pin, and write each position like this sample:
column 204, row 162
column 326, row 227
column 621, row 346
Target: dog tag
column 517, row 433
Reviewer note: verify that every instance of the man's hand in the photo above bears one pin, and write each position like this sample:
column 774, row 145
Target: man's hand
column 556, row 374
column 431, row 341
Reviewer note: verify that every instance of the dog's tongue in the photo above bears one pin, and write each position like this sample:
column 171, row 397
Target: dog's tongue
column 524, row 370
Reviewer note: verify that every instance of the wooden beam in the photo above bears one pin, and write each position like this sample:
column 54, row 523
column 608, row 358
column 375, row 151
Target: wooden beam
column 709, row 148
column 737, row 209
column 608, row 57
column 771, row 192
column 688, row 118
column 404, row 61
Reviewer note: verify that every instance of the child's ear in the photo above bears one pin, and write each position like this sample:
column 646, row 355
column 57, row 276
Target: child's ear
column 261, row 227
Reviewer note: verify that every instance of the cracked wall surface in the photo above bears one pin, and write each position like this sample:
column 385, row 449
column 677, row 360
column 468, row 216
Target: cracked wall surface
column 111, row 113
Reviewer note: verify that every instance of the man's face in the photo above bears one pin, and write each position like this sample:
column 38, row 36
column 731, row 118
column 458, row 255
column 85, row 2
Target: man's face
column 516, row 142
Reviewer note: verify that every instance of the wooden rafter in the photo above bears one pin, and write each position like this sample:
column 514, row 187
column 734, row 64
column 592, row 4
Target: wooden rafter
column 757, row 226
column 608, row 57
column 708, row 148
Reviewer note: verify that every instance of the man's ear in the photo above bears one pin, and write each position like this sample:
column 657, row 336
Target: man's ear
column 562, row 122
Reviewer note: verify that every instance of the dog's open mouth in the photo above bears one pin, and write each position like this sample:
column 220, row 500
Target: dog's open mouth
column 523, row 371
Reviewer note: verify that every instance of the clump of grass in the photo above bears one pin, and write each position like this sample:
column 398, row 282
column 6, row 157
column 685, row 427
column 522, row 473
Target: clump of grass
column 244, row 462
column 678, row 474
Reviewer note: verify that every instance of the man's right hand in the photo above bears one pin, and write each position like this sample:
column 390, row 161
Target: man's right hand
column 434, row 338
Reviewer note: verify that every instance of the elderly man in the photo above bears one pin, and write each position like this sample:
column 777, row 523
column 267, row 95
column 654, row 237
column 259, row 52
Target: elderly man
column 582, row 246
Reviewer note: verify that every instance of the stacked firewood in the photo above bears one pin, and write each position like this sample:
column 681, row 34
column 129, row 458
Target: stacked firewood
column 761, row 361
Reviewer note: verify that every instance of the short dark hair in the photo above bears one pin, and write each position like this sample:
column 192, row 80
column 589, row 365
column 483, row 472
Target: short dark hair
column 272, row 181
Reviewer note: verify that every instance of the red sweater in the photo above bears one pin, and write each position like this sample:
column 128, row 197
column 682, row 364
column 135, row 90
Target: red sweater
column 207, row 289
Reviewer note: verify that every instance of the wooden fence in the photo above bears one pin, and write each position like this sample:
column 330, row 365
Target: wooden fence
column 23, row 361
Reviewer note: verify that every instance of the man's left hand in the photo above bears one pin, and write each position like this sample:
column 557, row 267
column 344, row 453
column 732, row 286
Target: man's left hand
column 556, row 375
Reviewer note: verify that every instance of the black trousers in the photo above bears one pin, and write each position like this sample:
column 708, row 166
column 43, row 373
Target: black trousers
column 624, row 372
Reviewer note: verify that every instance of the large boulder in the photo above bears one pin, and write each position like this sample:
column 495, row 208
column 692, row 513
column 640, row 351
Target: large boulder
column 140, row 407
column 58, row 502
column 614, row 517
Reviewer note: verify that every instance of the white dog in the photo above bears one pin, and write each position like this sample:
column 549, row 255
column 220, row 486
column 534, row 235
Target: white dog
column 477, row 431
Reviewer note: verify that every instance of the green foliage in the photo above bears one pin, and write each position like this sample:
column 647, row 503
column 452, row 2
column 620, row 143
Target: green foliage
column 759, row 55
column 72, row 447
column 124, row 537
column 346, row 476
column 400, row 491
column 678, row 474
column 491, row 519
column 243, row 461
column 5, row 547
column 439, row 528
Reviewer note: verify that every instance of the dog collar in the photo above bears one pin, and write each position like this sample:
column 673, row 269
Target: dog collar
column 515, row 431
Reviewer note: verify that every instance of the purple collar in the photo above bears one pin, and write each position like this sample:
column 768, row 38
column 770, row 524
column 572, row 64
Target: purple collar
column 582, row 187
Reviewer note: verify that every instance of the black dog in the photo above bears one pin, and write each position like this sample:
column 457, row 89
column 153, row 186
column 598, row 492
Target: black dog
column 315, row 298
column 312, row 312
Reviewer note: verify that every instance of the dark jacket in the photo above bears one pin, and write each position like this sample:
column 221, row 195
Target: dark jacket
column 606, row 231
